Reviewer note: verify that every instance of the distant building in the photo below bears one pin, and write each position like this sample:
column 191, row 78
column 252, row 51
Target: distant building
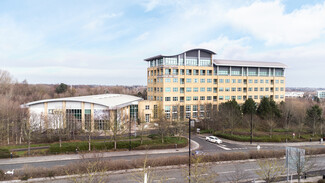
column 294, row 94
column 321, row 94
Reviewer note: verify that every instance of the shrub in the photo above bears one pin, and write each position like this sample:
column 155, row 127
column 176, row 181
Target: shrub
column 2, row 175
column 4, row 153
column 321, row 181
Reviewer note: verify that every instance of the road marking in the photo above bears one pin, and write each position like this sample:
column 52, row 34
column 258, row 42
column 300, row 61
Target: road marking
column 226, row 172
column 225, row 148
column 172, row 178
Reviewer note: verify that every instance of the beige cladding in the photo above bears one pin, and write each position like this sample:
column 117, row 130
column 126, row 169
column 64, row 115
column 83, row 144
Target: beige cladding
column 270, row 86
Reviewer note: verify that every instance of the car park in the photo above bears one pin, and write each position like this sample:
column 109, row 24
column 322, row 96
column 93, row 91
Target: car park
column 213, row 139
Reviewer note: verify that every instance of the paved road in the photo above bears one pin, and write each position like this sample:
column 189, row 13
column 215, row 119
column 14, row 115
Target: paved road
column 206, row 147
column 221, row 172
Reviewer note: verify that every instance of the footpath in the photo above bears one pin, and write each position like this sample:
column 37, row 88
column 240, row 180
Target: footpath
column 194, row 146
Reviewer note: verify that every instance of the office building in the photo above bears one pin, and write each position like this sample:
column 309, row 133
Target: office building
column 183, row 83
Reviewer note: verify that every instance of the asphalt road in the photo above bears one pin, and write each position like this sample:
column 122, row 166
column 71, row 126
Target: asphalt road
column 205, row 147
column 220, row 172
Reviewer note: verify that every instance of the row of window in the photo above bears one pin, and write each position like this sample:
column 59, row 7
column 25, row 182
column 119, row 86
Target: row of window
column 215, row 98
column 215, row 89
column 215, row 81
column 223, row 71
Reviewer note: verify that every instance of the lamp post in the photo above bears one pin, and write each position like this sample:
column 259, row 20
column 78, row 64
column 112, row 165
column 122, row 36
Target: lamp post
column 130, row 135
column 251, row 140
column 189, row 149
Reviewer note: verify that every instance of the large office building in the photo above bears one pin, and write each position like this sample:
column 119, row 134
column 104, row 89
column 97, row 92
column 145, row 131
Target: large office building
column 183, row 83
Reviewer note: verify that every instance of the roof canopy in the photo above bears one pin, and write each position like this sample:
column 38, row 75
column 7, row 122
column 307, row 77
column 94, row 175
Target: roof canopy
column 248, row 63
column 161, row 56
column 111, row 101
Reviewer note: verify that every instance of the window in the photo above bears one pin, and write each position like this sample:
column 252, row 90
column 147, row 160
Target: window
column 282, row 81
column 239, row 89
column 209, row 72
column 181, row 90
column 147, row 107
column 175, row 98
column 209, row 97
column 202, row 80
column 238, row 97
column 233, row 89
column 256, row 89
column 171, row 61
column 202, row 89
column 202, row 97
column 261, row 96
column 188, row 80
column 220, row 97
column 215, row 98
column 261, row 89
column 227, row 89
column 167, row 89
column 167, row 80
column 276, row 81
column 188, row 98
column 188, row 89
column 233, row 80
column 188, row 72
column 276, row 96
column 195, row 89
column 221, row 89
column 188, row 111
column 209, row 80
column 215, row 90
column 182, row 71
column 220, row 80
column 256, row 81
column 175, row 89
column 196, row 80
column 195, row 72
column 182, row 81
column 233, row 97
column 239, row 81
column 266, row 81
column 255, row 96
column 276, row 89
column 266, row 89
column 181, row 99
column 175, row 71
column 147, row 118
column 250, row 89
column 209, row 89
column 261, row 81
column 215, row 81
column 250, row 81
column 281, row 89
column 227, row 80
column 195, row 109
column 167, row 111
column 227, row 98
column 195, row 98
column 202, row 72
column 167, row 71
column 175, row 80
column 167, row 98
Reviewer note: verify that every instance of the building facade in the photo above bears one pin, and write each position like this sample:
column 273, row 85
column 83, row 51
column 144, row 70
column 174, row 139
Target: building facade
column 183, row 83
column 86, row 113
column 321, row 94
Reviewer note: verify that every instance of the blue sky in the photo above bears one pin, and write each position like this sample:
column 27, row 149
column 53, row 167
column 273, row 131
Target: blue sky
column 104, row 42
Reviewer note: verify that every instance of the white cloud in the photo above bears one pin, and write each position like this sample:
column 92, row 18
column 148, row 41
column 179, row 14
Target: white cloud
column 142, row 36
column 269, row 22
column 100, row 20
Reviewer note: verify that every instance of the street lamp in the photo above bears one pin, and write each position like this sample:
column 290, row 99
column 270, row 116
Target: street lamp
column 189, row 149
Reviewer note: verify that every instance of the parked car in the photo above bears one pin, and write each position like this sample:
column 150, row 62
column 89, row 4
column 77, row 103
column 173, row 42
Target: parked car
column 213, row 139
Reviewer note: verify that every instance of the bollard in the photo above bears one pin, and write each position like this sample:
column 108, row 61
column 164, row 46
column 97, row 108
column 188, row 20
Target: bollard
column 10, row 155
column 176, row 147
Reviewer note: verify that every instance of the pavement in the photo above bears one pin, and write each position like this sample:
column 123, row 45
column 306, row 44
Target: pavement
column 194, row 146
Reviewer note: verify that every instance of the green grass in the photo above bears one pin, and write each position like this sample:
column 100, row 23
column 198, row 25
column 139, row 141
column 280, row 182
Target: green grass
column 278, row 137
column 155, row 143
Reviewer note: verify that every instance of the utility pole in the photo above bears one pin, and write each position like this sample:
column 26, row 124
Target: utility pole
column 189, row 149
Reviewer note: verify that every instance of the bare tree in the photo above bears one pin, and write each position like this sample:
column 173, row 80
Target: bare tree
column 238, row 176
column 270, row 170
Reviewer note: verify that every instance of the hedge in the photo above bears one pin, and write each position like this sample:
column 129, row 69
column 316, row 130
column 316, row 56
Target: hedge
column 4, row 153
